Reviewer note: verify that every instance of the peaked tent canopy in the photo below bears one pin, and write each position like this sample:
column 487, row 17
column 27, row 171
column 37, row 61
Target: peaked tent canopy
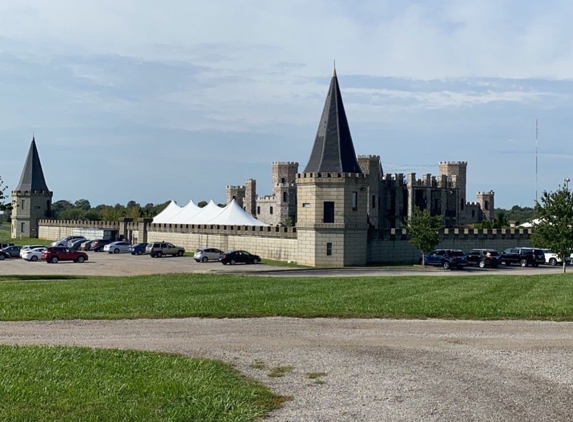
column 231, row 215
column 234, row 215
column 168, row 213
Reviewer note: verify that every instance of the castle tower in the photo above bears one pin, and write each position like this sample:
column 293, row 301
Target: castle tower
column 370, row 164
column 251, row 197
column 237, row 193
column 284, row 190
column 332, row 194
column 31, row 200
column 456, row 172
column 486, row 202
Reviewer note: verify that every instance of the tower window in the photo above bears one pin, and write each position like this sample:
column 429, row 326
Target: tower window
column 486, row 205
column 271, row 210
column 373, row 201
column 23, row 206
column 285, row 197
column 283, row 180
column 329, row 248
column 328, row 215
column 354, row 201
column 22, row 228
column 462, row 203
column 258, row 210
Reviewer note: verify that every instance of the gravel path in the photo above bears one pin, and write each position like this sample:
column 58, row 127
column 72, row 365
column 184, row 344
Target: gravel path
column 373, row 370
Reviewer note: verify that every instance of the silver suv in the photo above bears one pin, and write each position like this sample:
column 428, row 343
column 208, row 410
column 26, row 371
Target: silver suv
column 158, row 249
column 207, row 254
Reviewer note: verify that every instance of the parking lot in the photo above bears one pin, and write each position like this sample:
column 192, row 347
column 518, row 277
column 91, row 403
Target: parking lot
column 104, row 264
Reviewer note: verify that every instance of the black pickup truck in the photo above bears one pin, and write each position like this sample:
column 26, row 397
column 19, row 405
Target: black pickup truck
column 523, row 256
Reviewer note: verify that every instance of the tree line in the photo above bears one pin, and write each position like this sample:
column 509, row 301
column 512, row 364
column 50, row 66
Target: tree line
column 82, row 210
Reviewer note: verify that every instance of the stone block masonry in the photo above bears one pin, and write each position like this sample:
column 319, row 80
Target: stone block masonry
column 307, row 247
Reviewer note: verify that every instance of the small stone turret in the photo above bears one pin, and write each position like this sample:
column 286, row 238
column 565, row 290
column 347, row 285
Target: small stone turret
column 31, row 200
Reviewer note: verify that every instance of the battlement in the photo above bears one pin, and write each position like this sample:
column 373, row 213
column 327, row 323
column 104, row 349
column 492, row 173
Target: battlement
column 285, row 163
column 333, row 175
column 454, row 163
column 473, row 204
column 368, row 156
column 235, row 187
column 492, row 193
column 32, row 192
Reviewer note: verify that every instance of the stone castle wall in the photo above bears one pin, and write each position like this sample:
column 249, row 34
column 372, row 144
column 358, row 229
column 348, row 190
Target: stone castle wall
column 284, row 244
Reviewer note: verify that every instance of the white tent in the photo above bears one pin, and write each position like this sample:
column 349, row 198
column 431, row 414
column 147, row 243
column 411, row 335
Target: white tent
column 168, row 213
column 207, row 213
column 234, row 215
column 231, row 215
column 187, row 212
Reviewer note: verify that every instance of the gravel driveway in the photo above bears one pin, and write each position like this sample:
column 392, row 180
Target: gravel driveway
column 355, row 370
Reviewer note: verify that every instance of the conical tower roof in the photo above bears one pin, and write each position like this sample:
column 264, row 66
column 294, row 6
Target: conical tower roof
column 333, row 150
column 32, row 178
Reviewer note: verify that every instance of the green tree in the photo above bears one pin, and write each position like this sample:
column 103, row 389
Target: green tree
column 83, row 204
column 423, row 230
column 553, row 228
column 3, row 197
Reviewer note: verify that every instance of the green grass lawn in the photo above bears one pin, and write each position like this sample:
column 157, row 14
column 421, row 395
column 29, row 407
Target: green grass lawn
column 545, row 297
column 69, row 384
column 41, row 383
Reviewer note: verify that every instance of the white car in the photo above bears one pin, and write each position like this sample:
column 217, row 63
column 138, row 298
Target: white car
column 551, row 258
column 117, row 247
column 34, row 254
column 26, row 248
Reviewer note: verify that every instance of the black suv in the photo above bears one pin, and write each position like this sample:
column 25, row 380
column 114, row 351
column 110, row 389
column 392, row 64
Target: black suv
column 484, row 258
column 446, row 258
column 523, row 256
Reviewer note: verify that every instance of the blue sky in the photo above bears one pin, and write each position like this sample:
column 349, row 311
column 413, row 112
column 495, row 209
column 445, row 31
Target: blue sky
column 147, row 101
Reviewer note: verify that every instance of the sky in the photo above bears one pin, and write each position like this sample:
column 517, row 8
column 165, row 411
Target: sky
column 174, row 100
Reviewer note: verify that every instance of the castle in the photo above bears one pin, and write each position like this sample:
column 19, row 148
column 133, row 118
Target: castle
column 341, row 210
column 389, row 199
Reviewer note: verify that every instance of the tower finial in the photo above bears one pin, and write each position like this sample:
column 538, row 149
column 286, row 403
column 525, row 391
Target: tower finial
column 334, row 73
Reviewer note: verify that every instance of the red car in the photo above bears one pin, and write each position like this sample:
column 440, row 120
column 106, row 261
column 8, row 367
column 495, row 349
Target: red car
column 59, row 253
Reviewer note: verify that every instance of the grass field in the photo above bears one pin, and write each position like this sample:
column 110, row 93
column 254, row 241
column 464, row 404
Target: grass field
column 544, row 297
column 68, row 384
column 43, row 383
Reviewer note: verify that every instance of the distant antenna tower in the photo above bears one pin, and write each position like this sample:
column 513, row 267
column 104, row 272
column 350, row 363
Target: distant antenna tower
column 536, row 150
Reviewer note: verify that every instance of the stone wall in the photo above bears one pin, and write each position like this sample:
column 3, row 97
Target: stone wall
column 393, row 245
column 303, row 246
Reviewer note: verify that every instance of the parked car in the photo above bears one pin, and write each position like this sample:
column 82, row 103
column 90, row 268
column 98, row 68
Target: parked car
column 26, row 248
column 551, row 258
column 446, row 258
column 64, row 241
column 33, row 254
column 3, row 255
column 13, row 251
column 484, row 258
column 235, row 257
column 120, row 246
column 138, row 249
column 98, row 244
column 207, row 254
column 75, row 244
column 54, row 254
column 5, row 245
column 523, row 256
column 86, row 245
column 158, row 249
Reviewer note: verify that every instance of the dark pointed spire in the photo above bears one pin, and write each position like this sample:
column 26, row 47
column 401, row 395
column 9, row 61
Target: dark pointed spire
column 333, row 150
column 32, row 178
